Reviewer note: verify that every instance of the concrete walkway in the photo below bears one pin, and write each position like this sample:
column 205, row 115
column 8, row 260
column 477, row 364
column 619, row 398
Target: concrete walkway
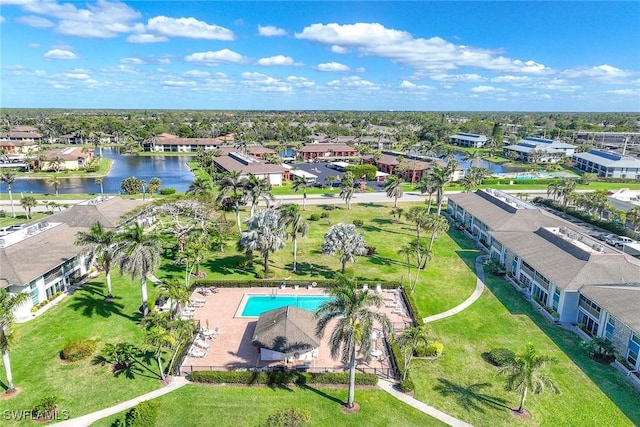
column 466, row 303
column 389, row 387
column 87, row 420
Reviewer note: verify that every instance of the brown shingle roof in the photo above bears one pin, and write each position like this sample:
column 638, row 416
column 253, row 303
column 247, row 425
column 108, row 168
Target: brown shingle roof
column 109, row 213
column 230, row 164
column 325, row 147
column 286, row 330
column 622, row 301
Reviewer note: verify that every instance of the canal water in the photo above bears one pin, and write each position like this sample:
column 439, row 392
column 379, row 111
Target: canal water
column 172, row 171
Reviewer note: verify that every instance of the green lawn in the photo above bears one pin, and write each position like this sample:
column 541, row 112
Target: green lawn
column 198, row 405
column 464, row 385
column 81, row 386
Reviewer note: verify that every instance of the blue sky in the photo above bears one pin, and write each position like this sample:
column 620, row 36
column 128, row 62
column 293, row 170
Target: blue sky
column 432, row 56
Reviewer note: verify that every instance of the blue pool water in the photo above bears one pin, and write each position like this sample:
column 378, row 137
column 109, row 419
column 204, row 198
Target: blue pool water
column 258, row 304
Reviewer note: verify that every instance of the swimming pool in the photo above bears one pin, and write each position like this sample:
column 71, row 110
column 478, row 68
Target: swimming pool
column 255, row 305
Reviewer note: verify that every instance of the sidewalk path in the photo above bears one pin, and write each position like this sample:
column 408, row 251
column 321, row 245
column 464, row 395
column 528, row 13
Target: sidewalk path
column 388, row 386
column 87, row 420
column 466, row 303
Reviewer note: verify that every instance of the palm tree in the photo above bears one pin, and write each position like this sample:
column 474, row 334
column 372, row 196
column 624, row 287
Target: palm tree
column 159, row 338
column 265, row 234
column 232, row 187
column 301, row 183
column 393, row 187
column 397, row 213
column 9, row 178
column 99, row 180
column 290, row 216
column 429, row 186
column 55, row 183
column 409, row 340
column 56, row 163
column 474, row 157
column 100, row 246
column 154, row 185
column 330, row 180
column 8, row 303
column 440, row 176
column 346, row 188
column 467, row 182
column 255, row 189
column 633, row 217
column 355, row 316
column 27, row 203
column 138, row 254
column 436, row 224
column 343, row 239
column 201, row 186
column 523, row 374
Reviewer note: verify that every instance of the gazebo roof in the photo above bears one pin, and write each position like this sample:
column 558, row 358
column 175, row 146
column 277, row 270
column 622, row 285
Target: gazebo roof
column 287, row 329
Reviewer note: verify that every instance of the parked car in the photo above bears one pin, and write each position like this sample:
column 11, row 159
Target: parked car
column 619, row 241
column 605, row 236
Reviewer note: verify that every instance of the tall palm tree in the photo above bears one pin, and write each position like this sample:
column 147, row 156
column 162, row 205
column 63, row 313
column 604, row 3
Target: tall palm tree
column 232, row 187
column 100, row 246
column 633, row 217
column 429, row 186
column 201, row 186
column 28, row 203
column 265, row 234
column 8, row 303
column 301, row 183
column 55, row 183
column 290, row 216
column 474, row 157
column 346, row 188
column 138, row 254
column 353, row 310
column 436, row 224
column 393, row 188
column 9, row 178
column 99, row 180
column 255, row 189
column 344, row 240
column 440, row 176
column 159, row 338
column 409, row 340
column 523, row 374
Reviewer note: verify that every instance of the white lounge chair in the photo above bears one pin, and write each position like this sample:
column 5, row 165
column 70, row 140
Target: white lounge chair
column 210, row 333
column 376, row 353
column 194, row 352
column 200, row 343
column 198, row 301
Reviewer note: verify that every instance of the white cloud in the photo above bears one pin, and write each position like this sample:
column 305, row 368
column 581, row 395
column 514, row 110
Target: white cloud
column 35, row 21
column 60, row 54
column 300, row 81
column 457, row 78
column 264, row 83
column 332, row 66
column 130, row 60
column 76, row 75
column 601, row 72
column 2, row 19
column 278, row 60
column 34, row 45
column 510, row 79
column 339, row 49
column 215, row 58
column 196, row 74
column 624, row 92
column 178, row 83
column 146, row 38
column 412, row 86
column 271, row 31
column 354, row 82
column 102, row 19
column 486, row 89
column 188, row 28
column 424, row 55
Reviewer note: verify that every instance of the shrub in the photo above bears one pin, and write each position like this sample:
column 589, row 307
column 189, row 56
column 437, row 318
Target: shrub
column 420, row 351
column 314, row 217
column 371, row 250
column 3, row 214
column 288, row 417
column 260, row 274
column 434, row 349
column 45, row 408
column 167, row 191
column 501, row 356
column 324, row 215
column 144, row 414
column 270, row 378
column 407, row 385
column 358, row 223
column 77, row 350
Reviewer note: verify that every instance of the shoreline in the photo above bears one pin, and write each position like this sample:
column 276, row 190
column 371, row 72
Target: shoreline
column 75, row 175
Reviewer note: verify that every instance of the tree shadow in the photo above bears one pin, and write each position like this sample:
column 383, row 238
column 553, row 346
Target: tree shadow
column 378, row 260
column 470, row 397
column 226, row 265
column 91, row 302
column 372, row 228
column 314, row 270
column 383, row 221
column 321, row 393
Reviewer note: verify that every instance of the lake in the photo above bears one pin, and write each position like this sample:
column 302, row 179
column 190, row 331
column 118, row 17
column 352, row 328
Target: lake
column 172, row 171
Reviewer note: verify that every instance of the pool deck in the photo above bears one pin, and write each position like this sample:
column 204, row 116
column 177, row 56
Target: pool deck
column 232, row 349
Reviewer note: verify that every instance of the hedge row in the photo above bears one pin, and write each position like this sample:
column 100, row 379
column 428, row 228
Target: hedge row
column 413, row 308
column 515, row 181
column 270, row 378
column 276, row 283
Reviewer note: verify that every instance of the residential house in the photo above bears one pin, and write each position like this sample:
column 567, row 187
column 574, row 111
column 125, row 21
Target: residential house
column 246, row 165
column 607, row 164
column 540, row 150
column 42, row 259
column 410, row 168
column 558, row 265
column 462, row 139
column 325, row 151
column 70, row 158
column 166, row 142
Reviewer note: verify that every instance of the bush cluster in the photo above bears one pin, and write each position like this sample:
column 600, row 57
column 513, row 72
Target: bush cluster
column 413, row 308
column 314, row 217
column 45, row 408
column 324, row 215
column 433, row 349
column 358, row 223
column 144, row 414
column 167, row 191
column 78, row 350
column 270, row 378
column 407, row 385
column 501, row 356
column 273, row 283
column 502, row 181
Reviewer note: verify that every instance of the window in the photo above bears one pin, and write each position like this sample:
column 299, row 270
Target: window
column 610, row 327
column 634, row 349
column 556, row 299
column 590, row 325
column 540, row 294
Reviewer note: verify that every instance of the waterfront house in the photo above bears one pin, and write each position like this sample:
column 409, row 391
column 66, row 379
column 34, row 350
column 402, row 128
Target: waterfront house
column 539, row 150
column 325, row 151
column 168, row 143
column 607, row 164
column 462, row 139
column 70, row 158
column 246, row 165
